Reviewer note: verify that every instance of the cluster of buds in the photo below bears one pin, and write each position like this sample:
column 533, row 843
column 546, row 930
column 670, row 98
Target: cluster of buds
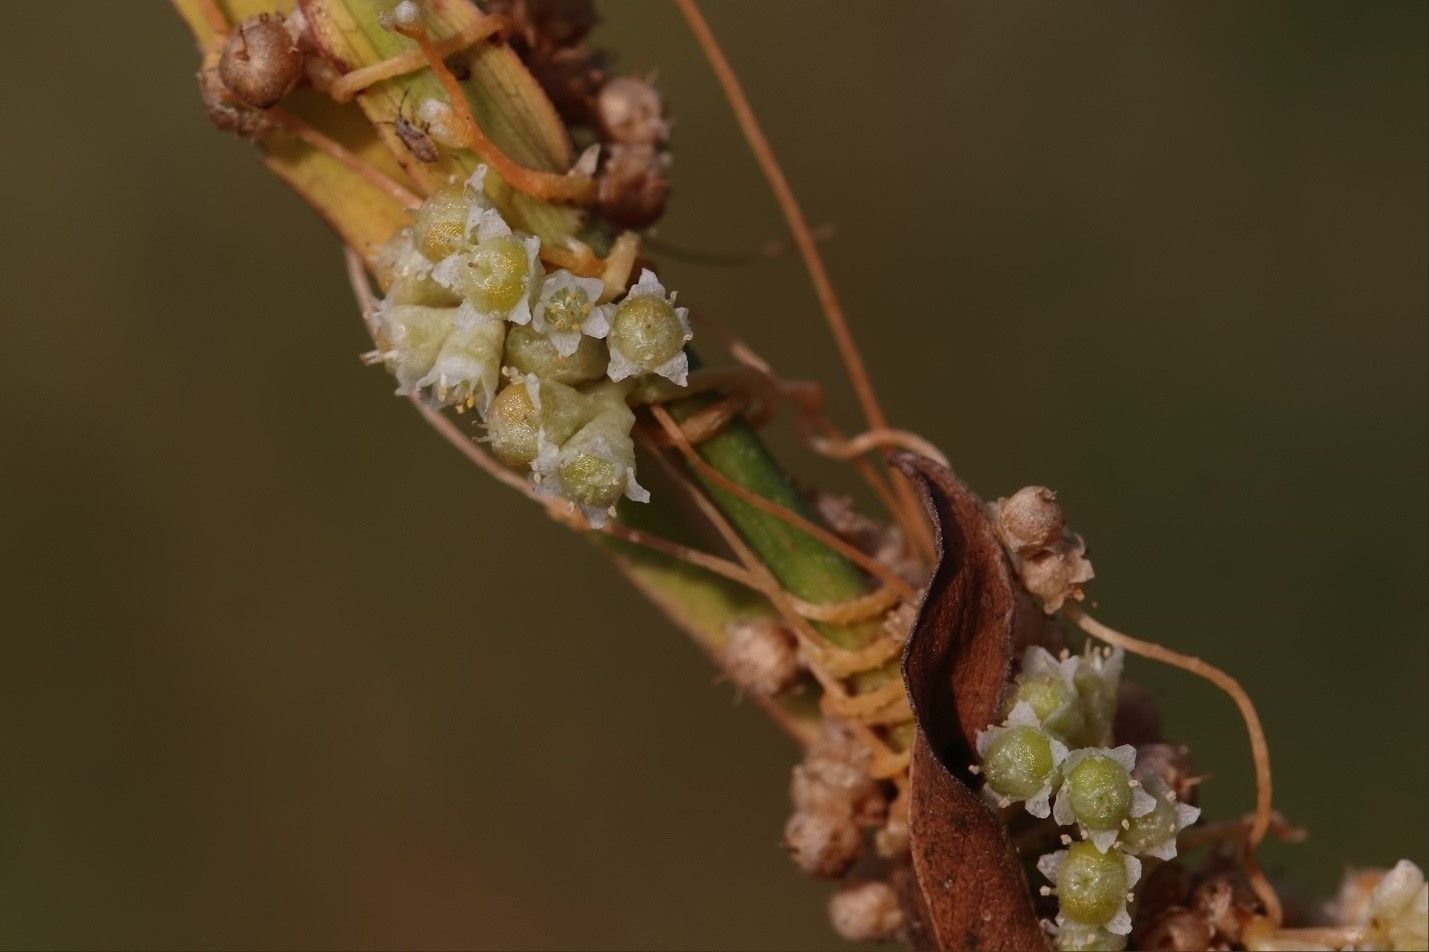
column 1051, row 561
column 472, row 320
column 1052, row 754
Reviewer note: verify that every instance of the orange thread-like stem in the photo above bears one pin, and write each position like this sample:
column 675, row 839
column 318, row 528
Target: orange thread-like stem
column 808, row 251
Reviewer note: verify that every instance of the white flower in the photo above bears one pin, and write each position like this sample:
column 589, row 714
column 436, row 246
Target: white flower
column 1154, row 833
column 1112, row 805
column 410, row 338
column 1015, row 757
column 648, row 333
column 1088, row 893
column 594, row 468
column 566, row 308
column 1397, row 914
column 468, row 367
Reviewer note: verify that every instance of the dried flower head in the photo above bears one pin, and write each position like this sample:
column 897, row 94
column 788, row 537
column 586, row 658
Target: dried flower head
column 1058, row 573
column 761, row 656
column 866, row 911
column 822, row 844
column 261, row 61
column 1028, row 520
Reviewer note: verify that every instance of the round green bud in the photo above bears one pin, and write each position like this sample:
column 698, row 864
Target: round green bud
column 1018, row 762
column 646, row 332
column 1097, row 685
column 1150, row 830
column 1099, row 792
column 512, row 424
column 591, row 479
column 1091, row 885
column 440, row 229
column 494, row 276
column 531, row 352
column 1056, row 704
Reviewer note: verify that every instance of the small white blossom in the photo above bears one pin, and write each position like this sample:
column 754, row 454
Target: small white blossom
column 566, row 309
column 1120, row 921
column 467, row 370
column 1022, row 716
column 1142, row 802
column 676, row 368
column 1397, row 915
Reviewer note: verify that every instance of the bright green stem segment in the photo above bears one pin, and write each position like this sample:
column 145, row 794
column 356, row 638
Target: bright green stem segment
column 801, row 563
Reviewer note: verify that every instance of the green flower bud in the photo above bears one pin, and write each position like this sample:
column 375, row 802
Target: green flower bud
column 440, row 229
column 468, row 367
column 1097, row 678
column 411, row 336
column 1154, row 832
column 1092, row 886
column 1098, row 793
column 596, row 466
column 648, row 334
column 1056, row 704
column 1020, row 761
column 530, row 352
column 495, row 278
column 527, row 411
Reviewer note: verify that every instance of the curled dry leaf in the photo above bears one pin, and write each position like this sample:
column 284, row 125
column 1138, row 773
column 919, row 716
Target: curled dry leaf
column 971, row 887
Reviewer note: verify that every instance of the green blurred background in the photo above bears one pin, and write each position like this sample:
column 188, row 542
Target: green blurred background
column 280, row 670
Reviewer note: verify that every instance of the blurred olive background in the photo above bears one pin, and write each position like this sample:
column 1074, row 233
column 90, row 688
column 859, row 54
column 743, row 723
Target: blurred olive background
column 280, row 670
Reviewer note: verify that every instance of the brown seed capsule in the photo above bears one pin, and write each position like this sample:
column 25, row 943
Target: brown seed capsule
column 866, row 912
column 631, row 112
column 822, row 844
column 1029, row 520
column 633, row 185
column 261, row 61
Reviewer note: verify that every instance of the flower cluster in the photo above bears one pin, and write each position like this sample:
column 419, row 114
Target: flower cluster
column 1052, row 754
column 472, row 320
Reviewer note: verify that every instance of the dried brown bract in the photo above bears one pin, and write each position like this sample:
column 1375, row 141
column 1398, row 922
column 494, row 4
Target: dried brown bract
column 634, row 184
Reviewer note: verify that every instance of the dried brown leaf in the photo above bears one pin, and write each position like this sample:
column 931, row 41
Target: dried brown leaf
column 955, row 668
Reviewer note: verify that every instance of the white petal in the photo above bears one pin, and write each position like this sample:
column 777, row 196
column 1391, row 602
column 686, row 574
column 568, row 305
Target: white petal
column 1124, row 755
column 597, row 322
column 1142, row 802
column 647, row 286
column 1102, row 839
column 676, row 369
column 633, row 490
column 1051, row 864
column 1022, row 715
column 1133, row 870
column 565, row 342
column 1062, row 809
column 1039, row 803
